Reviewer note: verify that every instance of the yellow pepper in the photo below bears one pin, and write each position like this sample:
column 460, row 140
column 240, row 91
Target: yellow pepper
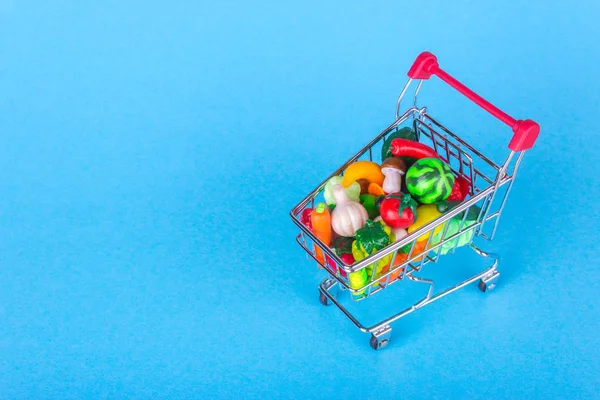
column 425, row 214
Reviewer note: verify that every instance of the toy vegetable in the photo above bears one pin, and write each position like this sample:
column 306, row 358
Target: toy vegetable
column 342, row 245
column 399, row 260
column 369, row 203
column 364, row 185
column 305, row 218
column 430, row 180
column 348, row 259
column 375, row 189
column 352, row 191
column 371, row 238
column 401, row 256
column 404, row 133
column 357, row 280
column 408, row 148
column 399, row 233
column 348, row 216
column 321, row 224
column 363, row 170
column 460, row 190
column 418, row 249
column 425, row 214
column 454, row 226
column 393, row 168
column 398, row 210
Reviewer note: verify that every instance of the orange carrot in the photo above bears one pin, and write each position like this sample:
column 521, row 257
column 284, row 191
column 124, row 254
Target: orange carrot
column 320, row 219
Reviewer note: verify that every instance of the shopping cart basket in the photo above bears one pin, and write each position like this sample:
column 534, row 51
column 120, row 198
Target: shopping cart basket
column 490, row 185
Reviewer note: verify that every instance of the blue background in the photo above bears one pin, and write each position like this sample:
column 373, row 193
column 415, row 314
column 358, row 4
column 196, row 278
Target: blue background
column 150, row 153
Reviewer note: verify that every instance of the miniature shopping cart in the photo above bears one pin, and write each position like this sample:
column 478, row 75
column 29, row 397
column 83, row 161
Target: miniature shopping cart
column 489, row 182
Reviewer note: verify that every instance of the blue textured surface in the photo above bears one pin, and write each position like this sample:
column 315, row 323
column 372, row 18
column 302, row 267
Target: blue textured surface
column 150, row 153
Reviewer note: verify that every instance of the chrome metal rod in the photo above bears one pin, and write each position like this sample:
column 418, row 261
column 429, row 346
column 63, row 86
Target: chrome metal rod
column 325, row 291
column 325, row 286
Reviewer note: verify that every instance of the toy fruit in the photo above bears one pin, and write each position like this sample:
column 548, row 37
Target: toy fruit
column 369, row 203
column 408, row 148
column 321, row 224
column 425, row 214
column 363, row 170
column 398, row 210
column 429, row 180
column 393, row 168
column 371, row 238
column 460, row 190
column 348, row 216
column 404, row 133
column 352, row 191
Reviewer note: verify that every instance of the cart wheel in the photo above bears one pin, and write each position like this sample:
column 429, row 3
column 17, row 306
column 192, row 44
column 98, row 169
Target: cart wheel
column 486, row 287
column 378, row 343
column 324, row 299
column 488, row 283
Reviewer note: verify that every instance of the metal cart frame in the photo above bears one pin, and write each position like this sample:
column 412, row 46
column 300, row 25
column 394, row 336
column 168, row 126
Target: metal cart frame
column 490, row 186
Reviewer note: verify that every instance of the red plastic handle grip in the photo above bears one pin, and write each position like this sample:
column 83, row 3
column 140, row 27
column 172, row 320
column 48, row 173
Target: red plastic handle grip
column 525, row 131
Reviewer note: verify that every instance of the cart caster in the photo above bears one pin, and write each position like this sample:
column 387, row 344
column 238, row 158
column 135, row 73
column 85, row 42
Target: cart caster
column 488, row 283
column 324, row 299
column 381, row 338
column 330, row 286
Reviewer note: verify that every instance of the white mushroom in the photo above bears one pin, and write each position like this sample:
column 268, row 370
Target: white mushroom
column 393, row 168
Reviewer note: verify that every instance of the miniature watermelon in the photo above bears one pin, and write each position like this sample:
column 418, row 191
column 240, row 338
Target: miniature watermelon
column 429, row 180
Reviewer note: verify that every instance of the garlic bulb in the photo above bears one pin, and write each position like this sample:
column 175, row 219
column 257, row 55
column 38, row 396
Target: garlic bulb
column 348, row 216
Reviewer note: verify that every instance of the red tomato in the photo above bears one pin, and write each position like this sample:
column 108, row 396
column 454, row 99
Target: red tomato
column 398, row 210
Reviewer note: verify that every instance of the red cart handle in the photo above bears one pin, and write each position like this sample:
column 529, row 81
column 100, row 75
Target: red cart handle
column 525, row 131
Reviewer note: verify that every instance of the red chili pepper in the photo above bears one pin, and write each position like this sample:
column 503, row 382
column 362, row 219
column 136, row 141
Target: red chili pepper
column 460, row 190
column 407, row 148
